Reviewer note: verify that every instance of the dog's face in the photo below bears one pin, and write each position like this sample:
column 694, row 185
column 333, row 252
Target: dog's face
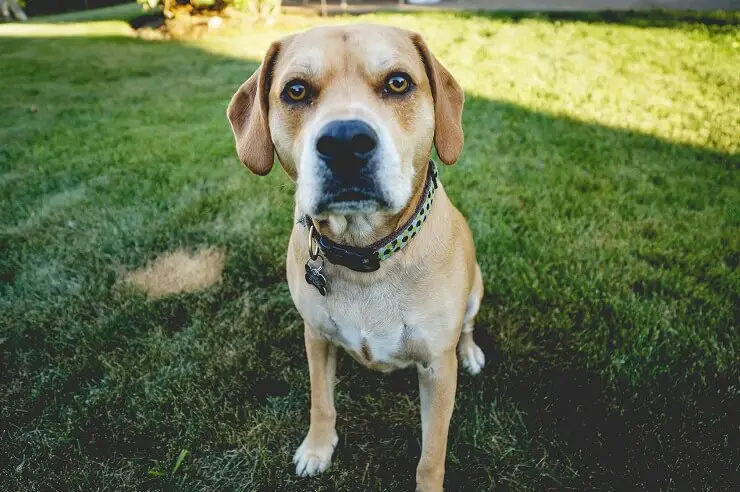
column 352, row 113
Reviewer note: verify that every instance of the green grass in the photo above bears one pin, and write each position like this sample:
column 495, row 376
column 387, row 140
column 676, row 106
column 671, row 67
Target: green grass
column 601, row 178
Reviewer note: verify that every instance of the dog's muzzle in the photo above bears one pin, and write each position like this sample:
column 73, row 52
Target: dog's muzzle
column 347, row 151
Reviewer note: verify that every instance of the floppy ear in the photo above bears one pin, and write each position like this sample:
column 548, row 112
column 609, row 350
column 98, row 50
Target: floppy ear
column 247, row 113
column 448, row 104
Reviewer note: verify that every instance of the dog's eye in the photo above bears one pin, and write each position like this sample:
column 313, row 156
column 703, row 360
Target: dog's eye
column 295, row 91
column 398, row 83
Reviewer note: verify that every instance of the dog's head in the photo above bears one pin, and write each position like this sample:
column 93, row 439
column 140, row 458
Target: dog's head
column 352, row 113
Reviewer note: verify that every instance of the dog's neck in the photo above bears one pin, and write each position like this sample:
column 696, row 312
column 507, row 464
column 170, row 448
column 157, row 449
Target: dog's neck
column 364, row 229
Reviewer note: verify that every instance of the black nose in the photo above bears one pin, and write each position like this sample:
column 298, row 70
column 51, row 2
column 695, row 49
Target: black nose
column 346, row 142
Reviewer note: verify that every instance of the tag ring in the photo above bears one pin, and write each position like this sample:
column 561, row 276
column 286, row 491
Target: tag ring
column 313, row 245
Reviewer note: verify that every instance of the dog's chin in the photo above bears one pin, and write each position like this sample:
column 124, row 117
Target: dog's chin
column 352, row 207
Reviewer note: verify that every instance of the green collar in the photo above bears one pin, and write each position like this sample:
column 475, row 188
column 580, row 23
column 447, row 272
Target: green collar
column 367, row 259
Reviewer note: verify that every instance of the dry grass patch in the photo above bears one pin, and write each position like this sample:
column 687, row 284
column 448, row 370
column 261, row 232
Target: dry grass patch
column 179, row 271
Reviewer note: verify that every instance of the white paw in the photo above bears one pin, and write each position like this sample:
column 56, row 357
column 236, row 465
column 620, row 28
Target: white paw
column 313, row 458
column 473, row 358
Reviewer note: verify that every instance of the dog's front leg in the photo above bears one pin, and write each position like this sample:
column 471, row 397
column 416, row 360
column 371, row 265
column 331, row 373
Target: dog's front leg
column 314, row 455
column 437, row 385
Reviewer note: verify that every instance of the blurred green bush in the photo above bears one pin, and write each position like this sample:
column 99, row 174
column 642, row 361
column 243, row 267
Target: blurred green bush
column 265, row 8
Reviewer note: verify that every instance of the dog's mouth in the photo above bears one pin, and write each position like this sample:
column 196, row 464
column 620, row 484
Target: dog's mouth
column 354, row 196
column 351, row 201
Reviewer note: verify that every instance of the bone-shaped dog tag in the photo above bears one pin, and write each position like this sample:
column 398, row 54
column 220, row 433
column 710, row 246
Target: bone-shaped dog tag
column 316, row 278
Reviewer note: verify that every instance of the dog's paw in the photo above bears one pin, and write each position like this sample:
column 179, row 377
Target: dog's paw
column 313, row 456
column 472, row 357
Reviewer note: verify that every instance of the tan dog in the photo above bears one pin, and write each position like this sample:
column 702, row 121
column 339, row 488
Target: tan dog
column 352, row 113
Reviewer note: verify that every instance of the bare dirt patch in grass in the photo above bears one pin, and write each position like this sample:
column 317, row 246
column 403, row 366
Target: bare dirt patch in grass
column 179, row 271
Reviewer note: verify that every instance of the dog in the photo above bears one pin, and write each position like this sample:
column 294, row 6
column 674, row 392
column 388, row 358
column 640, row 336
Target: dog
column 379, row 262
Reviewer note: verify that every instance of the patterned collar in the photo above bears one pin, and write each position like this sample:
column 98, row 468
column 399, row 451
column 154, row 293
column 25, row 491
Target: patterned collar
column 368, row 258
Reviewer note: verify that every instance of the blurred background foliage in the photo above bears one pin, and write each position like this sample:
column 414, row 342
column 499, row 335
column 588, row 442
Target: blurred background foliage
column 45, row 7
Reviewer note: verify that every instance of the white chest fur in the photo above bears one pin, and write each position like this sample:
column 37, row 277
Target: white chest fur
column 383, row 347
column 383, row 325
column 369, row 324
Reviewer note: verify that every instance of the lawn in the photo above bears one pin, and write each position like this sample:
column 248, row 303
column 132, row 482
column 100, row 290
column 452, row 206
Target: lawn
column 601, row 178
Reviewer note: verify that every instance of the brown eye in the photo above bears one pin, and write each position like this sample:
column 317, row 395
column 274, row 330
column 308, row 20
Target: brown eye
column 397, row 84
column 296, row 91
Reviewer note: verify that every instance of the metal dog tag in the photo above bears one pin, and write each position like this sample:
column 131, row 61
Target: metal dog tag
column 315, row 277
column 313, row 273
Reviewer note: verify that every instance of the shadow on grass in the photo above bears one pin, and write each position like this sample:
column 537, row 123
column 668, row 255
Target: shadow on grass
column 554, row 416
